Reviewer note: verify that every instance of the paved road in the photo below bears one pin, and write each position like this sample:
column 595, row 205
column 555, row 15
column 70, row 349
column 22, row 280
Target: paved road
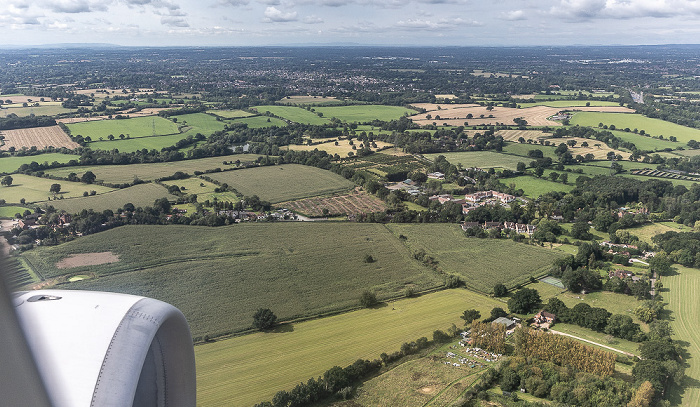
column 594, row 343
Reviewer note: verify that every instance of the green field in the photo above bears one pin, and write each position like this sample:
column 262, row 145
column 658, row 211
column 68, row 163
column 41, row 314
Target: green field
column 522, row 149
column 135, row 144
column 219, row 276
column 646, row 143
column 43, row 110
column 203, row 189
column 280, row 183
column 140, row 195
column 250, row 369
column 534, row 187
column 10, row 211
column 34, row 189
column 646, row 232
column 230, row 114
column 135, row 128
column 569, row 103
column 260, row 122
column 654, row 127
column 685, row 317
column 482, row 263
column 294, row 114
column 482, row 159
column 119, row 174
column 11, row 164
column 203, row 123
column 364, row 113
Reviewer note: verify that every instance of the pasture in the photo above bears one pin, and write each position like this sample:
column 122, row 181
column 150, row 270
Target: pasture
column 482, row 159
column 646, row 232
column 200, row 123
column 39, row 137
column 120, row 174
column 534, row 187
column 35, row 189
column 136, row 127
column 646, row 143
column 140, row 195
column 342, row 149
column 364, row 113
column 654, row 127
column 12, row 164
column 203, row 189
column 44, row 109
column 260, row 122
column 685, row 316
column 238, row 372
column 293, row 114
column 230, row 114
column 135, row 144
column 222, row 275
column 482, row 263
column 279, row 183
column 310, row 100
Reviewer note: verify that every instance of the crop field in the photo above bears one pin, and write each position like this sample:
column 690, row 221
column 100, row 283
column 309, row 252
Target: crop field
column 599, row 149
column 417, row 383
column 11, row 164
column 236, row 372
column 294, row 114
column 134, row 144
column 260, row 122
column 685, row 317
column 10, row 211
column 514, row 135
column 353, row 203
column 34, row 189
column 482, row 263
column 654, row 127
column 220, row 276
column 44, row 109
column 230, row 114
column 342, row 149
column 523, row 149
column 140, row 195
column 570, row 103
column 482, row 159
column 41, row 137
column 119, row 174
column 280, row 183
column 534, row 187
column 203, row 189
column 134, row 128
column 364, row 113
column 310, row 100
column 200, row 123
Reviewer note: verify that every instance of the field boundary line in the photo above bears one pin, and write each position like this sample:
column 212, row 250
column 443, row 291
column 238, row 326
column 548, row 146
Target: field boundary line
column 591, row 342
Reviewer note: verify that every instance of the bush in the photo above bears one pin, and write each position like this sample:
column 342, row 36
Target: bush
column 368, row 299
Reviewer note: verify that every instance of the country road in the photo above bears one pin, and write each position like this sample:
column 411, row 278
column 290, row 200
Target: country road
column 591, row 342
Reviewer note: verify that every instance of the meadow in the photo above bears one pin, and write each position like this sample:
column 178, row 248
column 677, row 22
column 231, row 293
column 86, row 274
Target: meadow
column 534, row 187
column 140, row 195
column 203, row 123
column 279, row 183
column 482, row 263
column 685, row 316
column 646, row 143
column 364, row 113
column 135, row 127
column 252, row 368
column 10, row 211
column 230, row 114
column 646, row 232
column 203, row 189
column 482, row 159
column 522, row 149
column 218, row 277
column 294, row 114
column 654, row 127
column 119, row 174
column 12, row 164
column 310, row 100
column 34, row 189
column 44, row 109
column 260, row 122
column 135, row 144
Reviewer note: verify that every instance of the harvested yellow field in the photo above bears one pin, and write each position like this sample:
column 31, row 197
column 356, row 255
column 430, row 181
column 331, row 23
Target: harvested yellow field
column 342, row 149
column 441, row 106
column 607, row 109
column 535, row 116
column 152, row 111
column 597, row 148
column 449, row 96
column 514, row 135
column 41, row 137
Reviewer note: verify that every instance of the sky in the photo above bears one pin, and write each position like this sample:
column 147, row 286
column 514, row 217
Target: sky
column 362, row 22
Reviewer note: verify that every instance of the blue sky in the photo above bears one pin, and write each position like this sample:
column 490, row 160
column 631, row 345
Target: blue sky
column 370, row 22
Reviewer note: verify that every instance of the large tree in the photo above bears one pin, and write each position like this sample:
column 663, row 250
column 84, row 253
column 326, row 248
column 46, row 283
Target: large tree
column 470, row 315
column 524, row 301
column 88, row 177
column 55, row 188
column 6, row 181
column 264, row 318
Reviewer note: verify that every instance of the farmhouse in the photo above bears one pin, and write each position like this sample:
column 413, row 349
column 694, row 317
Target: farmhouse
column 481, row 195
column 544, row 319
column 436, row 175
column 508, row 323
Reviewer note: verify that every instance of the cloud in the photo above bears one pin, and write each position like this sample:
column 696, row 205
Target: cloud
column 233, row 2
column 270, row 2
column 273, row 14
column 174, row 21
column 514, row 15
column 433, row 25
column 75, row 6
column 625, row 9
column 312, row 20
